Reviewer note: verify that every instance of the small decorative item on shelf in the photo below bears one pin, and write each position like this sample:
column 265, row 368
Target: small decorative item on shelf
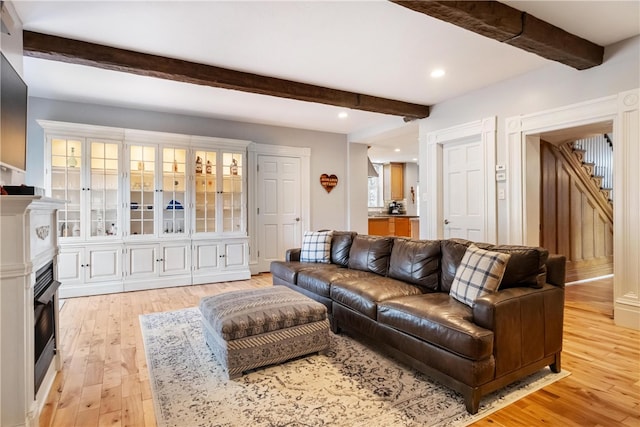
column 175, row 165
column 99, row 227
column 72, row 162
column 76, row 229
column 198, row 165
column 134, row 205
column 209, row 165
column 174, row 205
column 140, row 166
column 64, row 230
column 113, row 230
column 234, row 167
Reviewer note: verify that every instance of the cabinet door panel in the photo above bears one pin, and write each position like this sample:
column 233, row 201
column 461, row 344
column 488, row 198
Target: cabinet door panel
column 104, row 264
column 206, row 256
column 142, row 260
column 69, row 269
column 234, row 254
column 175, row 259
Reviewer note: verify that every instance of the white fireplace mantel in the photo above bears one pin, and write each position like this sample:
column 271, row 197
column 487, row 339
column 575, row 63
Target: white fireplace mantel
column 28, row 241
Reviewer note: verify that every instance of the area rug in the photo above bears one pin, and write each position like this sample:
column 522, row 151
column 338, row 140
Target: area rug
column 350, row 385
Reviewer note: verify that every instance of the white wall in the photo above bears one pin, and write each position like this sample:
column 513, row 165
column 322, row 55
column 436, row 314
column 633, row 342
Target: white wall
column 11, row 44
column 358, row 189
column 553, row 86
column 329, row 151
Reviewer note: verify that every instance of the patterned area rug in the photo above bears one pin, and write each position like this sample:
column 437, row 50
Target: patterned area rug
column 351, row 385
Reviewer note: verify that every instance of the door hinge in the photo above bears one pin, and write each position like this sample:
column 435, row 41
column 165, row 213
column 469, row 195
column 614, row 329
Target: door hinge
column 258, row 168
column 258, row 211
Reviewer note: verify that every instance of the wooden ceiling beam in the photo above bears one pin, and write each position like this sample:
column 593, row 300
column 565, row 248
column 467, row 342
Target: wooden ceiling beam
column 509, row 25
column 43, row 46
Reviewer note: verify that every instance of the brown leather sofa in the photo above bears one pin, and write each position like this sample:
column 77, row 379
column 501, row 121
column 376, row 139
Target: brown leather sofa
column 394, row 293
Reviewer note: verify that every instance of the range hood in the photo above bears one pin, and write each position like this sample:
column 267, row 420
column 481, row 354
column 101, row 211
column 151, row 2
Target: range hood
column 371, row 171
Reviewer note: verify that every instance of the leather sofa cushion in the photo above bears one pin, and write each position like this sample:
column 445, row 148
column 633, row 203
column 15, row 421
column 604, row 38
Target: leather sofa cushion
column 416, row 262
column 319, row 280
column 370, row 253
column 438, row 319
column 526, row 267
column 288, row 271
column 452, row 252
column 340, row 247
column 363, row 294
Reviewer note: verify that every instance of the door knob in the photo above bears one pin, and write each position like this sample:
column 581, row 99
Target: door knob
column 297, row 219
column 446, row 221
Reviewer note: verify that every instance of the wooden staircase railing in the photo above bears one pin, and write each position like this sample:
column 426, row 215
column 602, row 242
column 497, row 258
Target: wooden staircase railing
column 583, row 173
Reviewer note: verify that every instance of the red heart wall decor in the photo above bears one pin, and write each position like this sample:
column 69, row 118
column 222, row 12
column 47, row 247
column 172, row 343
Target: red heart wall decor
column 328, row 181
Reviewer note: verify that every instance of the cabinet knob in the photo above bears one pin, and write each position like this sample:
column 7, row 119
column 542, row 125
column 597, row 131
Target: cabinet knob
column 297, row 219
column 446, row 221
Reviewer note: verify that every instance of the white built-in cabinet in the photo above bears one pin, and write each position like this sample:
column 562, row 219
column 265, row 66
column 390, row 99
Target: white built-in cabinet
column 145, row 209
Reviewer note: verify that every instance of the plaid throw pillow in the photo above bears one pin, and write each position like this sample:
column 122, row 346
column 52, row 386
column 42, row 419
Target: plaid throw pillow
column 316, row 247
column 479, row 273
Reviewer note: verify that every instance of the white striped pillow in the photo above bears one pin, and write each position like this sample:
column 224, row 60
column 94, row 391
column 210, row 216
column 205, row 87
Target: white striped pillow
column 316, row 247
column 479, row 273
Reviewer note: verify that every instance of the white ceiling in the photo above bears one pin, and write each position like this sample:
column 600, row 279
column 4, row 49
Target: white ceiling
column 371, row 47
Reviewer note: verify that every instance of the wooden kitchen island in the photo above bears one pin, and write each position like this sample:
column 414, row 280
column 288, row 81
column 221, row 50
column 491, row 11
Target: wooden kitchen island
column 391, row 225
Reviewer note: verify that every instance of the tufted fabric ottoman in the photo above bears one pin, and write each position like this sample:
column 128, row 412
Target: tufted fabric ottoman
column 252, row 328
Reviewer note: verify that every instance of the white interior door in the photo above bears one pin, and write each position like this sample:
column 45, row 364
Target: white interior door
column 464, row 191
column 279, row 207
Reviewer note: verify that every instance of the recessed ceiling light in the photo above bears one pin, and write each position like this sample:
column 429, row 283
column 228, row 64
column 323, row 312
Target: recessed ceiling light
column 397, row 150
column 415, row 159
column 437, row 73
column 343, row 115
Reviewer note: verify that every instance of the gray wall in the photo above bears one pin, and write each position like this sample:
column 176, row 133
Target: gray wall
column 553, row 86
column 329, row 151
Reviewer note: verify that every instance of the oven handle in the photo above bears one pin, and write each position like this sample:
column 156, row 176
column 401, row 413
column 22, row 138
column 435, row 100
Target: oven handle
column 47, row 295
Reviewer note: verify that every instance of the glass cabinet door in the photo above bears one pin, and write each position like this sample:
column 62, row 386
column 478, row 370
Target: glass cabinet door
column 232, row 192
column 142, row 164
column 173, row 190
column 66, row 184
column 104, row 188
column 206, row 191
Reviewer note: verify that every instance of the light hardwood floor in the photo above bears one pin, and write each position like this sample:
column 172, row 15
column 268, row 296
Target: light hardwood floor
column 104, row 380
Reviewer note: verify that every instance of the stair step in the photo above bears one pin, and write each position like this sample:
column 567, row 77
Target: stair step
column 589, row 167
column 579, row 153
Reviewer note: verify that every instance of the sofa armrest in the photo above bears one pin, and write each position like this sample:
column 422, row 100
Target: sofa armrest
column 292, row 255
column 526, row 322
column 556, row 269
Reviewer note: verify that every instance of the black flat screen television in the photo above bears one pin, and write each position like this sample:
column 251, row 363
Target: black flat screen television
column 13, row 117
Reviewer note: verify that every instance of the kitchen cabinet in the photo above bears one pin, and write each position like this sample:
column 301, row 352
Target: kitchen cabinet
column 379, row 226
column 394, row 181
column 402, row 227
column 146, row 209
